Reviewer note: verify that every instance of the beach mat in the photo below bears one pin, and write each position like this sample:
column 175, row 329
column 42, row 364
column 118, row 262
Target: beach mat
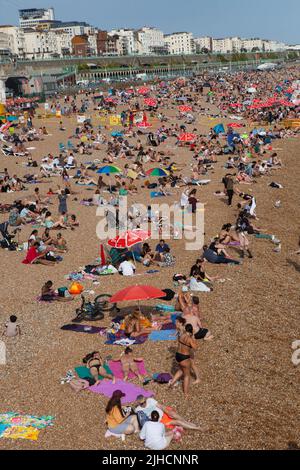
column 163, row 335
column 84, row 372
column 139, row 340
column 21, row 432
column 106, row 388
column 116, row 368
column 91, row 330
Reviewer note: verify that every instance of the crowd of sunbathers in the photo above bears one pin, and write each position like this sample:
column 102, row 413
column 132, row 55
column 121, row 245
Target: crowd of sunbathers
column 250, row 157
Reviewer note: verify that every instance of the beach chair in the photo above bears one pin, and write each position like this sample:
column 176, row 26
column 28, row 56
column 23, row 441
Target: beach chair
column 61, row 147
column 70, row 146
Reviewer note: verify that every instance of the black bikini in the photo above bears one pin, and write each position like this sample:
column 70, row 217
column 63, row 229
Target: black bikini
column 182, row 357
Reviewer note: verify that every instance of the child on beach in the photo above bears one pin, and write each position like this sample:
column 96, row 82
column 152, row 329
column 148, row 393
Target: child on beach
column 12, row 329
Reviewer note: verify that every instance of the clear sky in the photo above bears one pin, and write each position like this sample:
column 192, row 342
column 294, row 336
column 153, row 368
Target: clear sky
column 267, row 19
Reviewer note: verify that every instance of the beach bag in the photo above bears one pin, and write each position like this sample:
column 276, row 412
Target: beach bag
column 142, row 418
column 76, row 288
column 162, row 378
column 170, row 294
column 62, row 291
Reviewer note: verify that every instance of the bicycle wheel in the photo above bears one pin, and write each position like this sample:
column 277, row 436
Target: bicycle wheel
column 102, row 302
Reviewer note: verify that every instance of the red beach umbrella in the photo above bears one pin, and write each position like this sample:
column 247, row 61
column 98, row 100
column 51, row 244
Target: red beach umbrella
column 129, row 238
column 150, row 102
column 137, row 293
column 187, row 137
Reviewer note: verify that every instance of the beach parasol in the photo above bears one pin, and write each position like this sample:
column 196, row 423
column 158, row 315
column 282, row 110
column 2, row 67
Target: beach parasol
column 187, row 137
column 151, row 102
column 157, row 172
column 144, row 125
column 185, row 109
column 109, row 170
column 137, row 293
column 129, row 238
column 143, row 90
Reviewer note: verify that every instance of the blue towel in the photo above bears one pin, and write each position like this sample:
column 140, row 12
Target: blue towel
column 163, row 335
column 3, row 427
column 156, row 194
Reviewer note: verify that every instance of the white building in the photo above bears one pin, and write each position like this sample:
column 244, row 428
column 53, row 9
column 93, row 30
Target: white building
column 16, row 39
column 128, row 38
column 5, row 43
column 150, row 40
column 254, row 44
column 203, row 43
column 273, row 46
column 180, row 43
column 222, row 46
column 31, row 17
column 40, row 44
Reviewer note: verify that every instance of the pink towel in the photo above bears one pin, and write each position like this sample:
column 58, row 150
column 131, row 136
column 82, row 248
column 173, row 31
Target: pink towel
column 116, row 368
column 106, row 388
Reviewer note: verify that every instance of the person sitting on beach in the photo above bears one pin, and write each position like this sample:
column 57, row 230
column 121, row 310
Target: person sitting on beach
column 48, row 294
column 33, row 256
column 128, row 362
column 12, row 329
column 198, row 271
column 168, row 259
column 96, row 366
column 60, row 244
column 127, row 268
column 192, row 317
column 160, row 250
column 119, row 422
column 154, row 434
column 60, row 224
column 136, row 325
column 167, row 415
column 215, row 253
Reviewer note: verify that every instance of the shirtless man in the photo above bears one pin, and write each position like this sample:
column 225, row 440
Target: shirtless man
column 192, row 315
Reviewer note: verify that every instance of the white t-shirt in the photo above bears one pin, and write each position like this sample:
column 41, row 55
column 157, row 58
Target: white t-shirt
column 154, row 435
column 126, row 268
column 151, row 405
column 70, row 160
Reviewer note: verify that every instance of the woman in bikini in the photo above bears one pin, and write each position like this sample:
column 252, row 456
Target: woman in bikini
column 186, row 346
column 129, row 364
column 96, row 366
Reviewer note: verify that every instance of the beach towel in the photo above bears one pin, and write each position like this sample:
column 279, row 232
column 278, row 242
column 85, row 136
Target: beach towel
column 116, row 368
column 16, row 419
column 21, row 432
column 84, row 372
column 3, row 427
column 92, row 330
column 106, row 388
column 121, row 339
column 84, row 184
column 163, row 335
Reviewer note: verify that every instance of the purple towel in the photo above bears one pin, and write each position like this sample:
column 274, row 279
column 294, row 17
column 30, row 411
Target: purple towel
column 82, row 329
column 169, row 326
column 116, row 368
column 106, row 388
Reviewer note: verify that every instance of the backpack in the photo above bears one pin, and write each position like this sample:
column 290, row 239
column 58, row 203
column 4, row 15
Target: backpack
column 162, row 378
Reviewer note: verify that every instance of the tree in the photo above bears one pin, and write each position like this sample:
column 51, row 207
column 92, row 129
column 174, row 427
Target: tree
column 255, row 49
column 204, row 50
column 243, row 50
